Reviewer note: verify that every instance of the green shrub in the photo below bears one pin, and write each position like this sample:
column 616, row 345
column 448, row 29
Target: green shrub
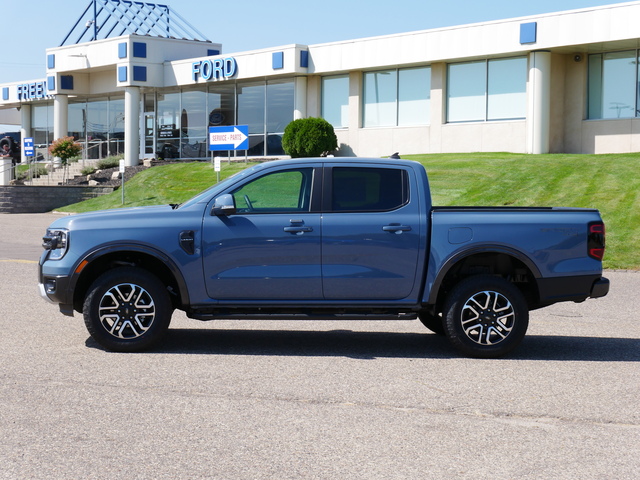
column 109, row 162
column 309, row 137
column 23, row 172
column 88, row 171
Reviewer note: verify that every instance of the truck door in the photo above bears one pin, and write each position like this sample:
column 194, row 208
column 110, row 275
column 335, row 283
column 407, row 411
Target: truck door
column 371, row 233
column 269, row 249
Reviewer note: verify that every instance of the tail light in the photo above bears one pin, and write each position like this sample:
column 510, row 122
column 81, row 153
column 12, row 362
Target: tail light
column 596, row 241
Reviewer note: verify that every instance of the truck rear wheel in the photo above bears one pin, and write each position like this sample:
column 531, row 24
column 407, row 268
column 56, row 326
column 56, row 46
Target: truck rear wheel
column 485, row 316
column 127, row 310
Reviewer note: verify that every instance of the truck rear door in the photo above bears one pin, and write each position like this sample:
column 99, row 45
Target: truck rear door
column 371, row 229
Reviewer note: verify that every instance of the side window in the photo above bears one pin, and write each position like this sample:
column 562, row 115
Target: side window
column 284, row 191
column 368, row 189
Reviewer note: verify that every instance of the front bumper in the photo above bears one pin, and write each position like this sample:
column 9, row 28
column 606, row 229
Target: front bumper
column 55, row 289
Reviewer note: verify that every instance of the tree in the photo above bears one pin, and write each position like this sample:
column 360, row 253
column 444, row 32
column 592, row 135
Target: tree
column 309, row 137
column 65, row 148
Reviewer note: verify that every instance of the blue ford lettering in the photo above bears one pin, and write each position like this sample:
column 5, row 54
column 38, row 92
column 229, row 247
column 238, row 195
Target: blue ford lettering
column 217, row 69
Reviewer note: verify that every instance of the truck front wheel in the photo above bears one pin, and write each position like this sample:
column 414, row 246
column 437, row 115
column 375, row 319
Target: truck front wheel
column 127, row 310
column 485, row 316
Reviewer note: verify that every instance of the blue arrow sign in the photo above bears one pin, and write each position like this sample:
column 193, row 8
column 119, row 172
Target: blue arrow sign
column 231, row 137
column 29, row 150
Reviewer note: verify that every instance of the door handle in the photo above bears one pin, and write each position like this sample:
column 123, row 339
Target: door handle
column 298, row 230
column 397, row 229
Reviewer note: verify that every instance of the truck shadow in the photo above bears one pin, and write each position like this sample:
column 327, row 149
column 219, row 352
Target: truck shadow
column 372, row 345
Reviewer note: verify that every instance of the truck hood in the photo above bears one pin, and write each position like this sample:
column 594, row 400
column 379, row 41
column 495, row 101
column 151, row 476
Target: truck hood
column 116, row 218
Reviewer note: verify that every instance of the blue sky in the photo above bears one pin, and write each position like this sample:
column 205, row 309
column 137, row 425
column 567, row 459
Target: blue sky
column 242, row 25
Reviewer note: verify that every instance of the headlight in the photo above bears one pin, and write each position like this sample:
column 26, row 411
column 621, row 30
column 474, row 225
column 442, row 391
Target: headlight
column 57, row 242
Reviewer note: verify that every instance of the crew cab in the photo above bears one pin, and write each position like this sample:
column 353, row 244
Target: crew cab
column 339, row 238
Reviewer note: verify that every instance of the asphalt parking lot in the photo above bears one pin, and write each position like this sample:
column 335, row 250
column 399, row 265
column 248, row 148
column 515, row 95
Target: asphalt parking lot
column 313, row 400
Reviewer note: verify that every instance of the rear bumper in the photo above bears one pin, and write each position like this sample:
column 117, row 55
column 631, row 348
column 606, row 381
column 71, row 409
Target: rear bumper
column 572, row 289
column 600, row 288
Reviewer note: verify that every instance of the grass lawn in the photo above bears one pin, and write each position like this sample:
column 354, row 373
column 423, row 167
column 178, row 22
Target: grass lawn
column 610, row 183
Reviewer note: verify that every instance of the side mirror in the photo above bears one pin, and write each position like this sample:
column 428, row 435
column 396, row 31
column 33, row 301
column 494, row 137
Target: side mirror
column 224, row 205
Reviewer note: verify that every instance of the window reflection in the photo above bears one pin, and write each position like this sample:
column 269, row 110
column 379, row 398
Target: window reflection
column 612, row 85
column 487, row 90
column 466, row 92
column 380, row 90
column 98, row 124
column 42, row 124
column 335, row 100
column 397, row 97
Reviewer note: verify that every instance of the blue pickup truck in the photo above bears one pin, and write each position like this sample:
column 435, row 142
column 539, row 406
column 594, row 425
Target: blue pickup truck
column 323, row 238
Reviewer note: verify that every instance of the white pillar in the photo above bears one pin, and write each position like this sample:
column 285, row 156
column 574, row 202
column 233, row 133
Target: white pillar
column 60, row 119
column 539, row 115
column 131, row 126
column 60, row 116
column 300, row 98
column 25, row 128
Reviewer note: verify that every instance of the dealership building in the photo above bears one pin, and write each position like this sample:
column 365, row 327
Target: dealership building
column 135, row 78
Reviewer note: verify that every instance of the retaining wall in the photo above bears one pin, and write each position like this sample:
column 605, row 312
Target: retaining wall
column 27, row 199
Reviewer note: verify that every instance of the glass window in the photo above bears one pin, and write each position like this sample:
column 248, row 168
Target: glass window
column 169, row 114
column 279, row 192
column 397, row 97
column 487, row 90
column 335, row 100
column 368, row 189
column 193, row 115
column 221, row 105
column 42, row 124
column 507, row 89
column 116, row 126
column 279, row 114
column 77, row 119
column 251, row 112
column 466, row 92
column 98, row 119
column 612, row 85
column 414, row 96
column 193, row 124
column 380, row 92
column 279, row 105
column 251, row 106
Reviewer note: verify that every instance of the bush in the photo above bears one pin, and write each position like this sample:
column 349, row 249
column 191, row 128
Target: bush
column 88, row 171
column 309, row 137
column 109, row 162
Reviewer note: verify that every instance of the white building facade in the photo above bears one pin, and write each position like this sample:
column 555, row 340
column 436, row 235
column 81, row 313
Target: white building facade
column 566, row 82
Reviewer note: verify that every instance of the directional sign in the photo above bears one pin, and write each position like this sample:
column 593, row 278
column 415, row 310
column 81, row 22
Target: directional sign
column 232, row 137
column 29, row 150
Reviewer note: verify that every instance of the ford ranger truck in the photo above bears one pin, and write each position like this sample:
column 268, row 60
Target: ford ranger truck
column 322, row 238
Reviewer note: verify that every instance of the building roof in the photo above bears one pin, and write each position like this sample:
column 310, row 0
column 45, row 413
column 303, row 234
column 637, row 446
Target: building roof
column 104, row 19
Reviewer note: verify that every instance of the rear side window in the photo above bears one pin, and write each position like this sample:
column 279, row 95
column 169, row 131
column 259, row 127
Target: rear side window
column 368, row 189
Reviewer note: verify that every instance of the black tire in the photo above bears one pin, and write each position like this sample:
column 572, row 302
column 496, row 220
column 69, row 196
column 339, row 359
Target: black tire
column 432, row 322
column 127, row 310
column 485, row 316
column 7, row 141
